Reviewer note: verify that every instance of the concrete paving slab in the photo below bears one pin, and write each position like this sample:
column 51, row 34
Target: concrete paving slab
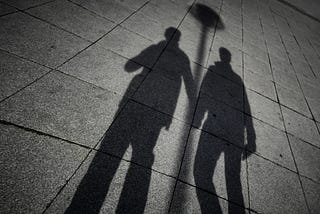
column 106, row 70
column 274, row 189
column 74, row 19
column 220, row 119
column 5, row 9
column 271, row 143
column 63, row 106
column 17, row 73
column 168, row 13
column 112, row 9
column 21, row 4
column 296, row 124
column 307, row 158
column 259, row 84
column 215, row 166
column 255, row 51
column 189, row 199
column 19, row 34
column 293, row 99
column 224, row 38
column 138, row 22
column 312, row 191
column 286, row 79
column 110, row 185
column 149, row 138
column 264, row 109
column 257, row 66
column 132, row 46
column 33, row 169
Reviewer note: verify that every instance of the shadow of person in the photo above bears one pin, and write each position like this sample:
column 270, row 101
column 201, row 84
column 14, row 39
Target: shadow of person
column 137, row 127
column 229, row 121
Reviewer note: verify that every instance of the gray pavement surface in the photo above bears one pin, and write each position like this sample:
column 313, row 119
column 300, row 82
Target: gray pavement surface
column 159, row 106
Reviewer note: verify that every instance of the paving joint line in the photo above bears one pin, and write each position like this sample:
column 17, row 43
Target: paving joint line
column 90, row 11
column 114, row 27
column 290, row 146
column 66, row 183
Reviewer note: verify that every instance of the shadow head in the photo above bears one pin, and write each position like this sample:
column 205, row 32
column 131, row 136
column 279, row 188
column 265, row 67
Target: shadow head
column 170, row 31
column 225, row 55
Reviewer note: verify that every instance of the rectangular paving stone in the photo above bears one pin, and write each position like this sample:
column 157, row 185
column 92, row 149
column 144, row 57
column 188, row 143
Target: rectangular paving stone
column 113, row 10
column 301, row 126
column 220, row 119
column 271, row 143
column 147, row 137
column 138, row 22
column 21, row 4
column 74, row 19
column 259, row 84
column 110, row 185
column 132, row 46
column 107, row 70
column 257, row 66
column 286, row 79
column 312, row 191
column 215, row 166
column 293, row 99
column 189, row 199
column 174, row 97
column 226, row 39
column 16, row 73
column 33, row 169
column 264, row 109
column 63, row 106
column 5, row 9
column 19, row 34
column 274, row 189
column 255, row 51
column 307, row 158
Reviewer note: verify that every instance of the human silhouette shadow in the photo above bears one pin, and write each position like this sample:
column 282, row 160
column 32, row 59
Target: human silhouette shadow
column 225, row 122
column 138, row 127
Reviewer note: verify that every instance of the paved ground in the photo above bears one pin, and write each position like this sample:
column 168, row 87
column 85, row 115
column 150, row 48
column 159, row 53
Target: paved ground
column 161, row 106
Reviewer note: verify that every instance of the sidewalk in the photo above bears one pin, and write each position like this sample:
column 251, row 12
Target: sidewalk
column 159, row 106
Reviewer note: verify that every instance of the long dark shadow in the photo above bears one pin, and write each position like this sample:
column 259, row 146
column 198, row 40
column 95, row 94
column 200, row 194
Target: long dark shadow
column 139, row 127
column 233, row 122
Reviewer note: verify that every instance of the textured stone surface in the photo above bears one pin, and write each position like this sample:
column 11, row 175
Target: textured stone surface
column 106, row 69
column 33, row 169
column 63, row 106
column 5, row 9
column 296, row 123
column 272, row 143
column 73, row 18
column 307, row 158
column 273, row 188
column 264, row 109
column 17, row 73
column 312, row 191
column 19, row 34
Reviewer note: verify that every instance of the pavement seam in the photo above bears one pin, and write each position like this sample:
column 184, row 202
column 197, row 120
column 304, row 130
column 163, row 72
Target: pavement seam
column 290, row 146
column 79, row 5
column 66, row 183
column 96, row 41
